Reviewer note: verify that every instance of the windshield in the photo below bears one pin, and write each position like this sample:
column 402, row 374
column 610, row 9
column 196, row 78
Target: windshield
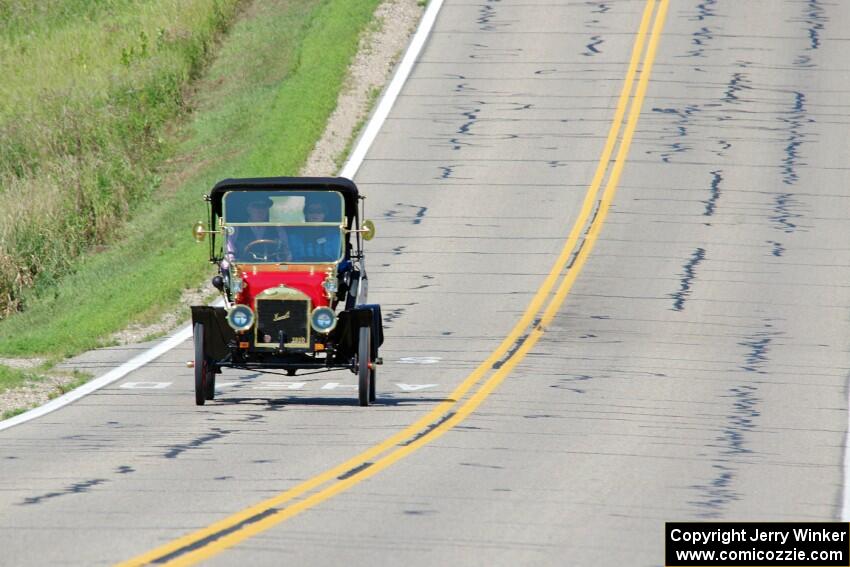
column 283, row 226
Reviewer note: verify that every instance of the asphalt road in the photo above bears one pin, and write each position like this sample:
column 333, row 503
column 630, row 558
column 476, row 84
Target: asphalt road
column 695, row 370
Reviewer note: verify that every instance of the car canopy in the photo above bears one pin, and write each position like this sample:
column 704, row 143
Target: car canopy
column 341, row 185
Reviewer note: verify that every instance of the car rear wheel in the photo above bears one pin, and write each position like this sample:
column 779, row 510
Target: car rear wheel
column 204, row 376
column 365, row 388
column 373, row 372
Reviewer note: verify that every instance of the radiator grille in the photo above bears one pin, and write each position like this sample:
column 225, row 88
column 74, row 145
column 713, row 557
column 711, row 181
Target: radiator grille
column 288, row 315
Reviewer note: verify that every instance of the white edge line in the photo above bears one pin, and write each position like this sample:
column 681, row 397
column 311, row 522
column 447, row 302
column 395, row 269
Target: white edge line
column 391, row 93
column 180, row 336
column 349, row 170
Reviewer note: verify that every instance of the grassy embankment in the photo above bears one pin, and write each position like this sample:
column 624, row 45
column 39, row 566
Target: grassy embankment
column 87, row 90
column 259, row 109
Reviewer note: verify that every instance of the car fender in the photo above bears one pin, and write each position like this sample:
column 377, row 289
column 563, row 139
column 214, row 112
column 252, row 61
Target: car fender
column 346, row 334
column 217, row 333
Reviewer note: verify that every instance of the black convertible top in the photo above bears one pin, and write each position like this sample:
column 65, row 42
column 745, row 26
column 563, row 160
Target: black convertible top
column 344, row 186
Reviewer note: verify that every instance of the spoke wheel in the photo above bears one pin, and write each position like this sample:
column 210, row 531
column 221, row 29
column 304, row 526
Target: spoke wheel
column 364, row 373
column 204, row 377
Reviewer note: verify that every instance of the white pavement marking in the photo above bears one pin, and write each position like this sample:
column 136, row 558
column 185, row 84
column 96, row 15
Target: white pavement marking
column 391, row 94
column 335, row 385
column 349, row 170
column 415, row 387
column 280, row 386
column 146, row 385
column 420, row 359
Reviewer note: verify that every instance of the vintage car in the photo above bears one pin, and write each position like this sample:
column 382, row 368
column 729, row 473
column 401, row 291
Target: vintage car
column 293, row 280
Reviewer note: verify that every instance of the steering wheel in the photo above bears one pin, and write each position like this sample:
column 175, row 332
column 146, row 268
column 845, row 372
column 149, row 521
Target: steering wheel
column 258, row 242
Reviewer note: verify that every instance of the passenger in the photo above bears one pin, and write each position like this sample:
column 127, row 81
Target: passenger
column 315, row 243
column 314, row 212
column 258, row 241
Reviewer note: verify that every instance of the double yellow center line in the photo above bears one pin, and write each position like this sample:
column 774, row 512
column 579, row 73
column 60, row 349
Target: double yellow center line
column 213, row 539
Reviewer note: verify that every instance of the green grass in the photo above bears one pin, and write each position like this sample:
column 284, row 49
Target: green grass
column 87, row 91
column 12, row 413
column 79, row 378
column 259, row 110
column 13, row 378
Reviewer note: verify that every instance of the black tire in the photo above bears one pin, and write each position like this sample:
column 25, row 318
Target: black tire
column 200, row 364
column 209, row 383
column 291, row 371
column 204, row 372
column 373, row 375
column 364, row 373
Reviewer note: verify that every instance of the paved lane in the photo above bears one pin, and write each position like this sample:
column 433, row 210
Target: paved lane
column 697, row 369
column 472, row 207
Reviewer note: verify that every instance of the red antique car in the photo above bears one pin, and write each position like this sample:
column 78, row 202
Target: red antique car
column 293, row 279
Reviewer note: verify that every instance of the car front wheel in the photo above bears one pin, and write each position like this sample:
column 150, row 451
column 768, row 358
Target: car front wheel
column 204, row 375
column 365, row 388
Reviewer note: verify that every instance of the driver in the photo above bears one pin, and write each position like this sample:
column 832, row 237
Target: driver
column 260, row 241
